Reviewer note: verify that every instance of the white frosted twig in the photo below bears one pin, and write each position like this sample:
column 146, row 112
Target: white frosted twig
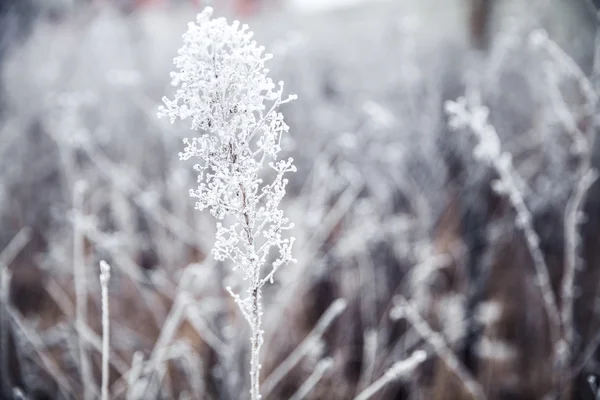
column 566, row 117
column 194, row 370
column 588, row 352
column 14, row 247
column 183, row 308
column 332, row 312
column 81, row 294
column 18, row 394
column 310, row 248
column 180, row 349
column 396, row 371
column 488, row 150
column 333, row 217
column 211, row 339
column 61, row 298
column 573, row 217
column 321, row 368
column 405, row 309
column 4, row 324
column 167, row 333
column 104, row 278
column 585, row 175
column 131, row 186
column 369, row 357
column 95, row 340
column 159, row 351
column 133, row 377
column 7, row 256
column 47, row 363
column 540, row 38
column 92, row 338
column 593, row 343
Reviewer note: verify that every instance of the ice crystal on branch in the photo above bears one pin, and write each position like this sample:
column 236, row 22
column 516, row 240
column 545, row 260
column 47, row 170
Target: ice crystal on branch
column 224, row 91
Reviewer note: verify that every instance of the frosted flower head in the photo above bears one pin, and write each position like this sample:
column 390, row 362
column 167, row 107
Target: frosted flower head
column 221, row 77
column 224, row 92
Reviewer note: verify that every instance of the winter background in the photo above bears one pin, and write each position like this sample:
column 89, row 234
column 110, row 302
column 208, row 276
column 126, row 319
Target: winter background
column 445, row 201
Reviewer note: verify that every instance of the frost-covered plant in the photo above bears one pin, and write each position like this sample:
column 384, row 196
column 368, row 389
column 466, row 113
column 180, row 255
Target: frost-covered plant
column 224, row 90
column 469, row 113
column 489, row 151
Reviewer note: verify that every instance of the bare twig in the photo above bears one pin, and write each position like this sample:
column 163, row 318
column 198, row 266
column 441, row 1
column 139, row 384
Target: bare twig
column 48, row 364
column 14, row 247
column 137, row 363
column 4, row 328
column 321, row 368
column 405, row 309
column 81, row 294
column 104, row 278
column 572, row 221
column 474, row 116
column 7, row 256
column 334, row 310
column 396, row 371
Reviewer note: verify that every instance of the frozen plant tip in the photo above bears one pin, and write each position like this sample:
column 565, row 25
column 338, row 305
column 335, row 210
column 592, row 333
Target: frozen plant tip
column 224, row 92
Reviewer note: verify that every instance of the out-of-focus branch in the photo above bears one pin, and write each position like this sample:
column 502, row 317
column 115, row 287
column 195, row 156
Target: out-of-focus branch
column 405, row 309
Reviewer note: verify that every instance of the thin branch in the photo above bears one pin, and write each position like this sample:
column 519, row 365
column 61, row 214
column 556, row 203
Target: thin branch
column 8, row 254
column 405, row 309
column 334, row 310
column 322, row 367
column 396, row 371
column 81, row 295
column 104, row 278
column 572, row 222
column 488, row 150
column 14, row 247
column 47, row 363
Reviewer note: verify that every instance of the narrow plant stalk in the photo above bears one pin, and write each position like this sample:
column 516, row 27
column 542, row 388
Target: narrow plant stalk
column 257, row 340
column 405, row 309
column 154, row 366
column 42, row 357
column 81, row 294
column 532, row 241
column 104, row 278
column 332, row 312
column 134, row 376
column 4, row 328
column 396, row 371
column 572, row 222
column 14, row 247
column 488, row 150
column 7, row 256
column 320, row 369
column 582, row 142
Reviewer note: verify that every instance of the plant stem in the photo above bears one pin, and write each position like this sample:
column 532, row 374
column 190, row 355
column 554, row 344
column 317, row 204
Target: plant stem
column 256, row 342
column 255, row 317
column 79, row 273
column 104, row 278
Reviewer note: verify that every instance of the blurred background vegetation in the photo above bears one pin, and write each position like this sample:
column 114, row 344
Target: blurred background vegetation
column 388, row 201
